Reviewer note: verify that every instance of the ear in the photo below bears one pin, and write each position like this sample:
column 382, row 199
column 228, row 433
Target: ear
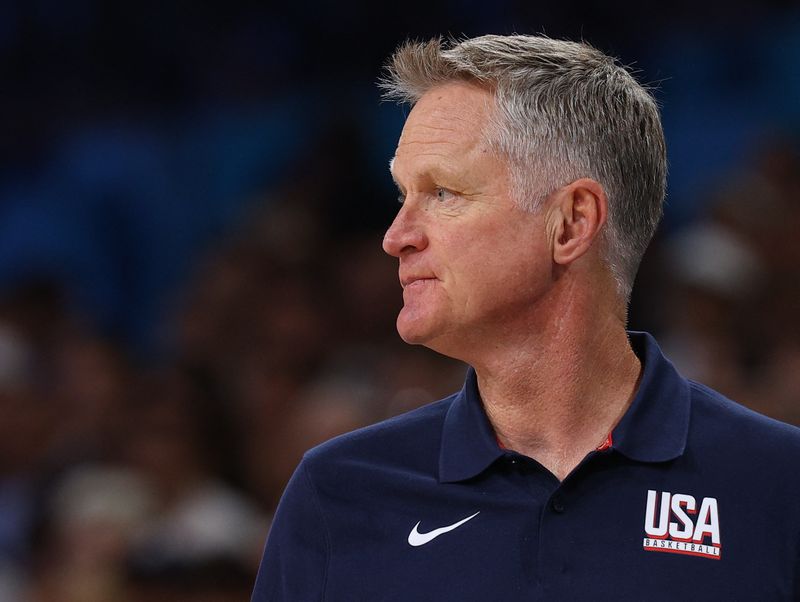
column 579, row 210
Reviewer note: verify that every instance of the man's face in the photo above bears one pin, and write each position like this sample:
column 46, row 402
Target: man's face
column 472, row 264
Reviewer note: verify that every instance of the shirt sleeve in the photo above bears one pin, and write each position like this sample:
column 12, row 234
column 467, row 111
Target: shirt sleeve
column 294, row 565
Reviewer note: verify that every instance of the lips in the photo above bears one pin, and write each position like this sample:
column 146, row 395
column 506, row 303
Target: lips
column 406, row 281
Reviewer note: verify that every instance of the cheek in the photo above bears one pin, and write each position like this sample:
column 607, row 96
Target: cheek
column 506, row 266
column 493, row 251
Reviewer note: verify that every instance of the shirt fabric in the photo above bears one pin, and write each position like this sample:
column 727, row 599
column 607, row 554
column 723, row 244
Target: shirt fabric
column 697, row 498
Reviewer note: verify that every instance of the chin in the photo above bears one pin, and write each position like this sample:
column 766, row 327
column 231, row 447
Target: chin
column 411, row 335
column 413, row 331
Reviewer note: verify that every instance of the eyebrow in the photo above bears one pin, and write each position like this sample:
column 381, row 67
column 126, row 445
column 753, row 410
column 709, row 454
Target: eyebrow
column 391, row 173
column 432, row 173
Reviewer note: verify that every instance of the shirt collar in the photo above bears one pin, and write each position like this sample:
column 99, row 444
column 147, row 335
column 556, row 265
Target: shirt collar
column 469, row 444
column 654, row 428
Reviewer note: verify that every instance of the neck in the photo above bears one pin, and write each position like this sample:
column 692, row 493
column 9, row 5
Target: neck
column 556, row 395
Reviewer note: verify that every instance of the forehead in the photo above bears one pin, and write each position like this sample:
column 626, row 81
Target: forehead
column 447, row 122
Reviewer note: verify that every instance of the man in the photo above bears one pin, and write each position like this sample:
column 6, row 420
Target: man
column 575, row 464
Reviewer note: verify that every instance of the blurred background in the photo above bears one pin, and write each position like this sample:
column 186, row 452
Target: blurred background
column 192, row 291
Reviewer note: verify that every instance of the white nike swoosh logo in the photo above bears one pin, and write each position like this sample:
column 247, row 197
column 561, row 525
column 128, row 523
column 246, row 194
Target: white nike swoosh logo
column 415, row 538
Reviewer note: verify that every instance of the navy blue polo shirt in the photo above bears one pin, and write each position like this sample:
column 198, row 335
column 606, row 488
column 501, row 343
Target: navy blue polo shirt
column 697, row 498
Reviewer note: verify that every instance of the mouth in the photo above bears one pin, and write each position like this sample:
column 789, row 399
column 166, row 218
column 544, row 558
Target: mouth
column 415, row 281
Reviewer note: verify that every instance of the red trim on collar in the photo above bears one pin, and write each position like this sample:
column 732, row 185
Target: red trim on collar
column 606, row 444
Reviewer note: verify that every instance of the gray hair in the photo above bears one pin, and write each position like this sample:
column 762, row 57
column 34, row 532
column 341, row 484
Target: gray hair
column 563, row 111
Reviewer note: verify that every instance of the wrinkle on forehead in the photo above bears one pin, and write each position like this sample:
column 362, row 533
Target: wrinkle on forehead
column 437, row 122
column 441, row 129
column 448, row 104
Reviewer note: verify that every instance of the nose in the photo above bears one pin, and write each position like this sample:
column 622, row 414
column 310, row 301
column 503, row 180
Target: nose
column 405, row 235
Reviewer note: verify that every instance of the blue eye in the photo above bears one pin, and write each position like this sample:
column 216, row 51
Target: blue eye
column 443, row 195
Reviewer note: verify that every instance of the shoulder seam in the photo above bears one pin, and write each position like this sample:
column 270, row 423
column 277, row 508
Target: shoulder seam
column 318, row 504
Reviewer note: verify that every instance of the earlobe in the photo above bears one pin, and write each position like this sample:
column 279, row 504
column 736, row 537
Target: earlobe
column 581, row 209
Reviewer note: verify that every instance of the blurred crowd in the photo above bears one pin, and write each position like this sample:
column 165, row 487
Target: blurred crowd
column 125, row 481
column 723, row 293
column 192, row 287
